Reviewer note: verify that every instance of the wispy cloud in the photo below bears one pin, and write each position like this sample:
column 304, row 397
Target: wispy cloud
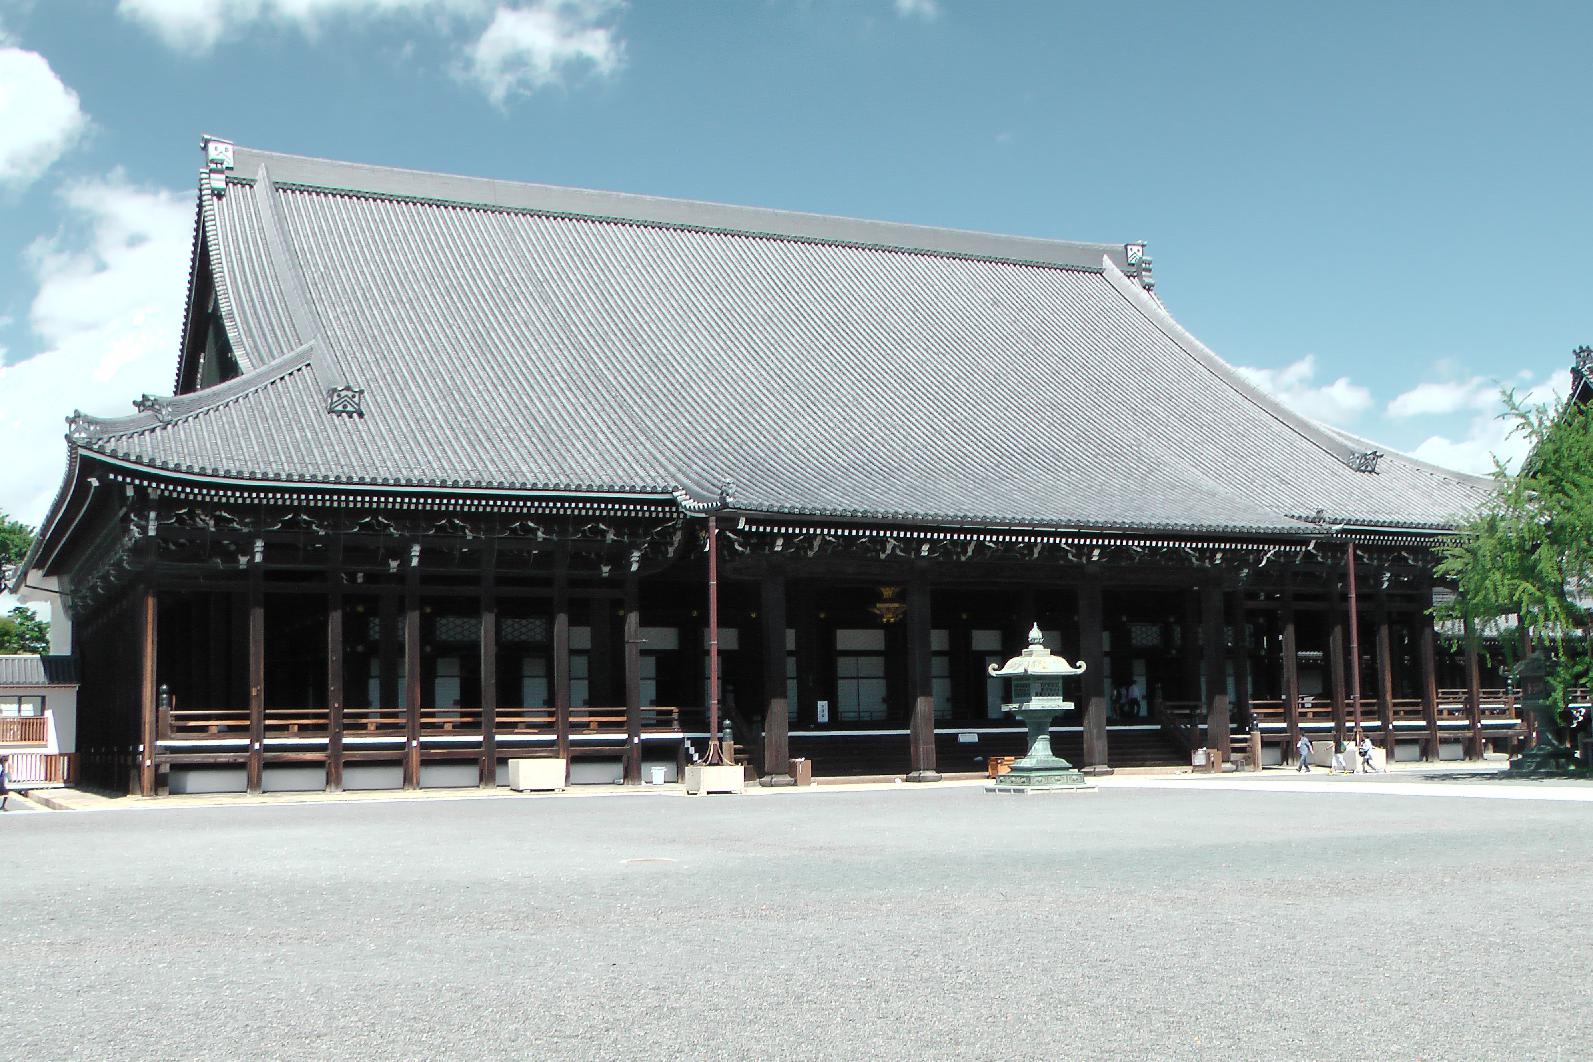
column 525, row 49
column 106, row 318
column 928, row 10
column 1338, row 402
column 506, row 49
column 1484, row 435
column 40, row 118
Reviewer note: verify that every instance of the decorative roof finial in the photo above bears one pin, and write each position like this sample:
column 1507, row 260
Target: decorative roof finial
column 1365, row 460
column 1583, row 363
column 1139, row 264
column 218, row 160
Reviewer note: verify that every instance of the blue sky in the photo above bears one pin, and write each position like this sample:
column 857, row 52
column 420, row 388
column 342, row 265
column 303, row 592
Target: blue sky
column 1380, row 210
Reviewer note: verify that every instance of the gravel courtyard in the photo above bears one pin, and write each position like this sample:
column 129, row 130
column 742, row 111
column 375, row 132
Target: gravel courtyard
column 894, row 923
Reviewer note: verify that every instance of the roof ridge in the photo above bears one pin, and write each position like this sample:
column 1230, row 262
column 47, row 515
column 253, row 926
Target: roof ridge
column 390, row 182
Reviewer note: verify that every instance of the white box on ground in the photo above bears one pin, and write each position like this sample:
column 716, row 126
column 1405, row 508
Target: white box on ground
column 540, row 772
column 722, row 778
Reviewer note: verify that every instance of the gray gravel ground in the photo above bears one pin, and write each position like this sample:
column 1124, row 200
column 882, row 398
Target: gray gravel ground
column 818, row 925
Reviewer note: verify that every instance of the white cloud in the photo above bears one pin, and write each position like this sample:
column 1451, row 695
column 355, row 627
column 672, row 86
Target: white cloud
column 924, row 9
column 200, row 26
column 1486, row 436
column 106, row 316
column 39, row 116
column 525, row 49
column 1439, row 397
column 1338, row 403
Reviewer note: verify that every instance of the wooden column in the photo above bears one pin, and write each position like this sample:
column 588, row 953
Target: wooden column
column 1291, row 676
column 1385, row 675
column 488, row 773
column 1427, row 650
column 218, row 689
column 1097, row 754
column 334, row 673
column 809, row 651
column 256, row 769
column 921, row 687
column 633, row 683
column 776, row 740
column 391, row 642
column 1336, row 662
column 149, row 708
column 412, row 676
column 1474, row 691
column 1241, row 651
column 561, row 653
column 1189, row 641
column 1214, row 657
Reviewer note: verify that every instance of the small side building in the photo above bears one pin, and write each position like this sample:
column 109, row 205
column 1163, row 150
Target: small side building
column 38, row 719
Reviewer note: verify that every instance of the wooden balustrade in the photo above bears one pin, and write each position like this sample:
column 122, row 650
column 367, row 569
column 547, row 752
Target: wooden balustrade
column 30, row 768
column 24, row 730
column 200, row 723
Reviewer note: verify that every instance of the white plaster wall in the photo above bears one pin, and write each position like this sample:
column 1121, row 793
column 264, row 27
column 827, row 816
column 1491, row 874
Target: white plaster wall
column 208, row 780
column 60, row 704
column 293, row 779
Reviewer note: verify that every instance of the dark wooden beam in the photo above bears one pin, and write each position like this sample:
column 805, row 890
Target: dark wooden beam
column 1473, row 690
column 1291, row 675
column 149, row 708
column 1214, row 657
column 921, row 690
column 412, row 674
column 334, row 679
column 388, row 649
column 561, row 655
column 633, row 683
column 1385, row 675
column 1428, row 652
column 1237, row 620
column 1092, row 651
column 776, row 724
column 489, row 667
column 1336, row 678
column 254, row 775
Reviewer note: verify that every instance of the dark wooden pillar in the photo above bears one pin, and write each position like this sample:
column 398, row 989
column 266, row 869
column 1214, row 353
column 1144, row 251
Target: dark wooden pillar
column 1097, row 755
column 1336, row 663
column 392, row 641
column 561, row 654
column 1474, row 691
column 334, row 673
column 1427, row 650
column 1189, row 642
column 254, row 775
column 412, row 676
column 1385, row 675
column 1291, row 676
column 633, row 683
column 776, row 743
column 1214, row 657
column 921, row 687
column 218, row 689
column 148, row 696
column 488, row 773
column 1238, row 620
column 809, row 652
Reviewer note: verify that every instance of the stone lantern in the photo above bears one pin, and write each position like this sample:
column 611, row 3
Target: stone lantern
column 1036, row 682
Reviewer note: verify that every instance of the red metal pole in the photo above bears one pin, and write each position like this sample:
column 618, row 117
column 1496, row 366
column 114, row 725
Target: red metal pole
column 713, row 642
column 1355, row 642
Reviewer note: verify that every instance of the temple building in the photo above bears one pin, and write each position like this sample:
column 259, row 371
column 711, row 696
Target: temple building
column 434, row 486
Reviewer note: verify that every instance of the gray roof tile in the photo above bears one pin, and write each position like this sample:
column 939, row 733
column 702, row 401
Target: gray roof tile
column 573, row 341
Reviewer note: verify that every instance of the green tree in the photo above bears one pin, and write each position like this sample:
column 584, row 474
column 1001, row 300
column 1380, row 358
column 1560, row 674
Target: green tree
column 16, row 538
column 23, row 632
column 1529, row 553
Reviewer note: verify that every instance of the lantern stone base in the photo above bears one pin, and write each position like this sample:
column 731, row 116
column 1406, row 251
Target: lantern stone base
column 1019, row 781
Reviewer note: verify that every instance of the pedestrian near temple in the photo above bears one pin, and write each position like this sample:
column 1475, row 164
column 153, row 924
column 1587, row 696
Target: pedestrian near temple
column 1338, row 758
column 1305, row 754
column 1365, row 747
column 1132, row 702
column 5, row 788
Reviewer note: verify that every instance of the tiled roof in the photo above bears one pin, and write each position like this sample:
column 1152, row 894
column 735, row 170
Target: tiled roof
column 38, row 671
column 517, row 337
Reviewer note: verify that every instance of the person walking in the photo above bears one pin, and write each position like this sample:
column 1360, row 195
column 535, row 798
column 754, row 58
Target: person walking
column 5, row 788
column 1365, row 747
column 1338, row 759
column 1304, row 748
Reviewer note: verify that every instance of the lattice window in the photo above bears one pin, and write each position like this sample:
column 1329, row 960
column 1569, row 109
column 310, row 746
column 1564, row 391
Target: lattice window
column 532, row 629
column 458, row 628
column 1145, row 635
column 374, row 628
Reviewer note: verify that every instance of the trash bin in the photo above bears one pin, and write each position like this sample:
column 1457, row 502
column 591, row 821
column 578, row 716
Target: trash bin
column 801, row 771
column 657, row 773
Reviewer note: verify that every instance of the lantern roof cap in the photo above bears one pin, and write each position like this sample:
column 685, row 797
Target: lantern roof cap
column 1036, row 660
